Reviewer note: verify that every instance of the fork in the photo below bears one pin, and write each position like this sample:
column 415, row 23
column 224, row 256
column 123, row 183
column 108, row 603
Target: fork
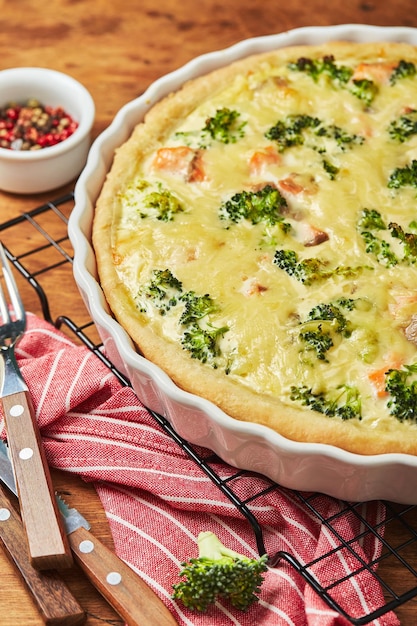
column 47, row 542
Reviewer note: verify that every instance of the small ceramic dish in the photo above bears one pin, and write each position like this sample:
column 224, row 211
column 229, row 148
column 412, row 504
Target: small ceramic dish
column 40, row 170
column 303, row 466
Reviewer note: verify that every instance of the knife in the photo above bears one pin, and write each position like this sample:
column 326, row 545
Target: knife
column 56, row 604
column 128, row 594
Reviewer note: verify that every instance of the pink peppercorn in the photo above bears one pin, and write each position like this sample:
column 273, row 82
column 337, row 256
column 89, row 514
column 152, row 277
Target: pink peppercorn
column 32, row 126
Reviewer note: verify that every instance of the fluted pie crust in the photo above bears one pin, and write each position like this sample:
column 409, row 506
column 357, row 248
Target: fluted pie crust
column 338, row 170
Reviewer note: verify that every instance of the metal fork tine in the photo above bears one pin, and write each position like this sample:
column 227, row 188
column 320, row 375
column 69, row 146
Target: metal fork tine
column 47, row 541
column 10, row 283
column 4, row 310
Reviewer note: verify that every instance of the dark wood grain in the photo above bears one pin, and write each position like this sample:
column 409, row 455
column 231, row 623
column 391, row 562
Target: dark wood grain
column 116, row 50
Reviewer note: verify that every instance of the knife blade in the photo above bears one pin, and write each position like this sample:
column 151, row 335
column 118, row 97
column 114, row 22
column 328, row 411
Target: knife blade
column 129, row 595
column 54, row 601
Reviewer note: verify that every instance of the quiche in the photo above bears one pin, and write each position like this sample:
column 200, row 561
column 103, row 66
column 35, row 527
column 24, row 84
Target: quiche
column 256, row 236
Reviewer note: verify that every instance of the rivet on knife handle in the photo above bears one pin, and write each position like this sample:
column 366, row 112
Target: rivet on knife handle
column 53, row 599
column 127, row 593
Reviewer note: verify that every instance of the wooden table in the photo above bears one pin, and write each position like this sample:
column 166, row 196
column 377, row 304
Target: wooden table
column 116, row 50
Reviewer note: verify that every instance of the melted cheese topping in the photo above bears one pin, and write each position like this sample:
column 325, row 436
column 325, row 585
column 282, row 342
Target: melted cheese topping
column 264, row 308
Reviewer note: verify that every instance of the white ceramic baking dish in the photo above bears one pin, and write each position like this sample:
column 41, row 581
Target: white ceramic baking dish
column 301, row 466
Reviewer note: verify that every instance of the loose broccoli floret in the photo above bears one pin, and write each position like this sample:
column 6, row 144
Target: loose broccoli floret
column 163, row 290
column 339, row 74
column 403, row 392
column 219, row 573
column 344, row 402
column 224, row 126
column 403, row 127
column 404, row 69
column 404, row 176
column 264, row 205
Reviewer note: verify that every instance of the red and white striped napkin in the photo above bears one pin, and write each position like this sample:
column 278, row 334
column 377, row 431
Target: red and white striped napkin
column 157, row 500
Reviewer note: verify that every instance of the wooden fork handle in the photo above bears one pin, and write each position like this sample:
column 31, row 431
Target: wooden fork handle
column 52, row 597
column 128, row 593
column 47, row 542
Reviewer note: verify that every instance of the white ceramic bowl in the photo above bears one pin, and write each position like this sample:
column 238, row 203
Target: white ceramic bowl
column 301, row 466
column 23, row 171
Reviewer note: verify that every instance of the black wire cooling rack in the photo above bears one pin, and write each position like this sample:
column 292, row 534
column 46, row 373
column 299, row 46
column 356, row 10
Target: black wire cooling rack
column 42, row 249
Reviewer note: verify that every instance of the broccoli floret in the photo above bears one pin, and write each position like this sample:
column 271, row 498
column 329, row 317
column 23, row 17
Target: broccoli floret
column 305, row 271
column 309, row 270
column 331, row 169
column 203, row 343
column 331, row 312
column 339, row 135
column 264, row 205
column 163, row 290
column 224, row 126
column 318, row 338
column 164, row 203
column 339, row 74
column 404, row 176
column 196, row 307
column 404, row 69
column 290, row 132
column 364, row 89
column 371, row 219
column 403, row 392
column 380, row 248
column 318, row 341
column 345, row 402
column 403, row 127
column 408, row 239
column 217, row 573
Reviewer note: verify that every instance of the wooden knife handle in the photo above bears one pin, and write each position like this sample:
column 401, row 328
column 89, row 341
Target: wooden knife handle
column 47, row 541
column 53, row 599
column 127, row 593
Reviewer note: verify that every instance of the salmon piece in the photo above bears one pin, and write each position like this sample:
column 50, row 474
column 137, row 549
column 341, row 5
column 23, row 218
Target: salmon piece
column 296, row 184
column 262, row 158
column 181, row 161
column 313, row 236
column 379, row 72
column 197, row 173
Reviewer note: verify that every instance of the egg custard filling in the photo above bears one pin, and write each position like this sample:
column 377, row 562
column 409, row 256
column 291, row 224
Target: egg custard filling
column 257, row 238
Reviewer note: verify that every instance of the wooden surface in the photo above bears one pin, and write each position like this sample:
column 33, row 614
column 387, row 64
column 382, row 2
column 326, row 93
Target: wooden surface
column 116, row 50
